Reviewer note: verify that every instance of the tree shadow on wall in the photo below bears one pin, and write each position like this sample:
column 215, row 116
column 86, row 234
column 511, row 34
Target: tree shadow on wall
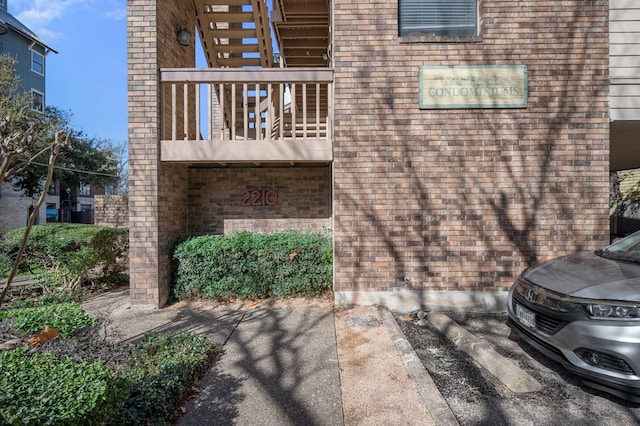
column 475, row 196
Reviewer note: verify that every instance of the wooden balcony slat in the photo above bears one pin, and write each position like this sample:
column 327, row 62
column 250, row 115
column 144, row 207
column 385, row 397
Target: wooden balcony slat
column 228, row 2
column 235, row 49
column 239, row 62
column 232, row 33
column 231, row 17
column 309, row 33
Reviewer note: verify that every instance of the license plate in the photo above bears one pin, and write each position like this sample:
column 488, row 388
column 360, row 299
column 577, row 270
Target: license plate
column 526, row 317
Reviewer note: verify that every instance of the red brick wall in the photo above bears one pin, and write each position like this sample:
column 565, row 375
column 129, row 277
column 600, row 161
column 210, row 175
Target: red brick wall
column 298, row 198
column 465, row 199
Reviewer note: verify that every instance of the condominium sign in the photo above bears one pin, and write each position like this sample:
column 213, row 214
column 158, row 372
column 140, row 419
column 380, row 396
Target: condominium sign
column 482, row 86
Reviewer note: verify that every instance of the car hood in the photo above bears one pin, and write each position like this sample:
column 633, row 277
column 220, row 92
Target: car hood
column 588, row 275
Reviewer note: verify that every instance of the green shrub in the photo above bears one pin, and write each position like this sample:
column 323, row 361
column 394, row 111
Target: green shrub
column 5, row 264
column 68, row 317
column 253, row 265
column 64, row 254
column 43, row 389
column 164, row 368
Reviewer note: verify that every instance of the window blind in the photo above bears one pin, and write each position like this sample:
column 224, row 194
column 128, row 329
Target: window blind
column 437, row 17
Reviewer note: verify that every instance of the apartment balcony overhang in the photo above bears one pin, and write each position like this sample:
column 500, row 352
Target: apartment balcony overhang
column 255, row 116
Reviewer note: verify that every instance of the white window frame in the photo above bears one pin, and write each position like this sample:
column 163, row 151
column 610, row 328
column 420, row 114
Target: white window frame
column 84, row 190
column 428, row 18
column 39, row 93
column 35, row 54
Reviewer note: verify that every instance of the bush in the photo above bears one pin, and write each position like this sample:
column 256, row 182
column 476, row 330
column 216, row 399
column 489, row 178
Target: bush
column 5, row 264
column 43, row 389
column 67, row 317
column 49, row 384
column 253, row 265
column 163, row 370
column 65, row 254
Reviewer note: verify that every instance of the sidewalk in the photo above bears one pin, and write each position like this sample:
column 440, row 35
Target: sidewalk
column 291, row 362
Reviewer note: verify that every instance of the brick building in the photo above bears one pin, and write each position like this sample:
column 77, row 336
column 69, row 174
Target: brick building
column 445, row 154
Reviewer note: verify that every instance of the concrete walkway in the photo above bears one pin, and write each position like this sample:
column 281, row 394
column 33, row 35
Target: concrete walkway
column 298, row 362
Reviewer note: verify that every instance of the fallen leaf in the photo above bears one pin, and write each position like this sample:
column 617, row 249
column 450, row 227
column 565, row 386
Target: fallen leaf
column 47, row 334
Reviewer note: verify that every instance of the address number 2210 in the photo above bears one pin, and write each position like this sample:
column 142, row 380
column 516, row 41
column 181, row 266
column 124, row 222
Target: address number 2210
column 259, row 198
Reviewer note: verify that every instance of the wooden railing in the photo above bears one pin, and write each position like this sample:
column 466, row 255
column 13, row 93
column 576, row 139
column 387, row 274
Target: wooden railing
column 247, row 104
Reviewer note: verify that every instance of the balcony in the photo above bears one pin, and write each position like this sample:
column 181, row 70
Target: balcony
column 241, row 115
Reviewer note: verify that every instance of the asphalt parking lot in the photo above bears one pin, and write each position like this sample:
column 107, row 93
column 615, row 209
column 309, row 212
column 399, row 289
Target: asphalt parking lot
column 478, row 398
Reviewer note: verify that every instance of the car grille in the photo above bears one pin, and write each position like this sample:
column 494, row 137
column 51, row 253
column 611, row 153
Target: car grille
column 537, row 340
column 545, row 323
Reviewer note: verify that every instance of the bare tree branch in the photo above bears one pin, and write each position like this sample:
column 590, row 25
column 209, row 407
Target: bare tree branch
column 57, row 145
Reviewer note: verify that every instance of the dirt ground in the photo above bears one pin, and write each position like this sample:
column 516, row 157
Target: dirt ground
column 477, row 398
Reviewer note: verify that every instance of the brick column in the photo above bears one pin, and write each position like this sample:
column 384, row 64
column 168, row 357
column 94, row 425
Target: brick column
column 143, row 151
column 157, row 204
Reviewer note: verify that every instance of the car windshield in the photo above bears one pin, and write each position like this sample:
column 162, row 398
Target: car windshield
column 627, row 249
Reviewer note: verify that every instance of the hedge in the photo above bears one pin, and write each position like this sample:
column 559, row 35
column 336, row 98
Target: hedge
column 252, row 265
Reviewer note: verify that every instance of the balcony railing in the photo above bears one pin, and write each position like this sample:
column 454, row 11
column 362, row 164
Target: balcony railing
column 254, row 115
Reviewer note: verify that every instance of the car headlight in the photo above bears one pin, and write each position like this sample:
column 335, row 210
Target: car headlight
column 619, row 310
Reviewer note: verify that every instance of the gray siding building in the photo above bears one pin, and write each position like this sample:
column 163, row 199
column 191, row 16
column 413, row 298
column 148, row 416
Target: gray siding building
column 30, row 52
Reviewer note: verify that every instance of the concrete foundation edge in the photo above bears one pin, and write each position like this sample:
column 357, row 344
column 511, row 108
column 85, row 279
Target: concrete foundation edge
column 430, row 300
column 435, row 402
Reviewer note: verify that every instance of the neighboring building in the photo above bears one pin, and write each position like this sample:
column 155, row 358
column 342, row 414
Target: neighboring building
column 73, row 206
column 446, row 144
column 30, row 52
column 624, row 71
column 15, row 207
column 625, row 207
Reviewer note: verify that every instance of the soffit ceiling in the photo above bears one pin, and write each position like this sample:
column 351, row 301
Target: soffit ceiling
column 237, row 33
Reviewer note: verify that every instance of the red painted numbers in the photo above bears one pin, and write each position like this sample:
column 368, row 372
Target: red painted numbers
column 259, row 198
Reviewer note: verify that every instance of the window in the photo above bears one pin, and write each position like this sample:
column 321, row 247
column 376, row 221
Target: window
column 85, row 190
column 452, row 18
column 38, row 100
column 37, row 62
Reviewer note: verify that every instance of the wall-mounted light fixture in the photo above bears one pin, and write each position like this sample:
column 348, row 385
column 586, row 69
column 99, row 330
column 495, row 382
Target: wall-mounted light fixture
column 183, row 36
